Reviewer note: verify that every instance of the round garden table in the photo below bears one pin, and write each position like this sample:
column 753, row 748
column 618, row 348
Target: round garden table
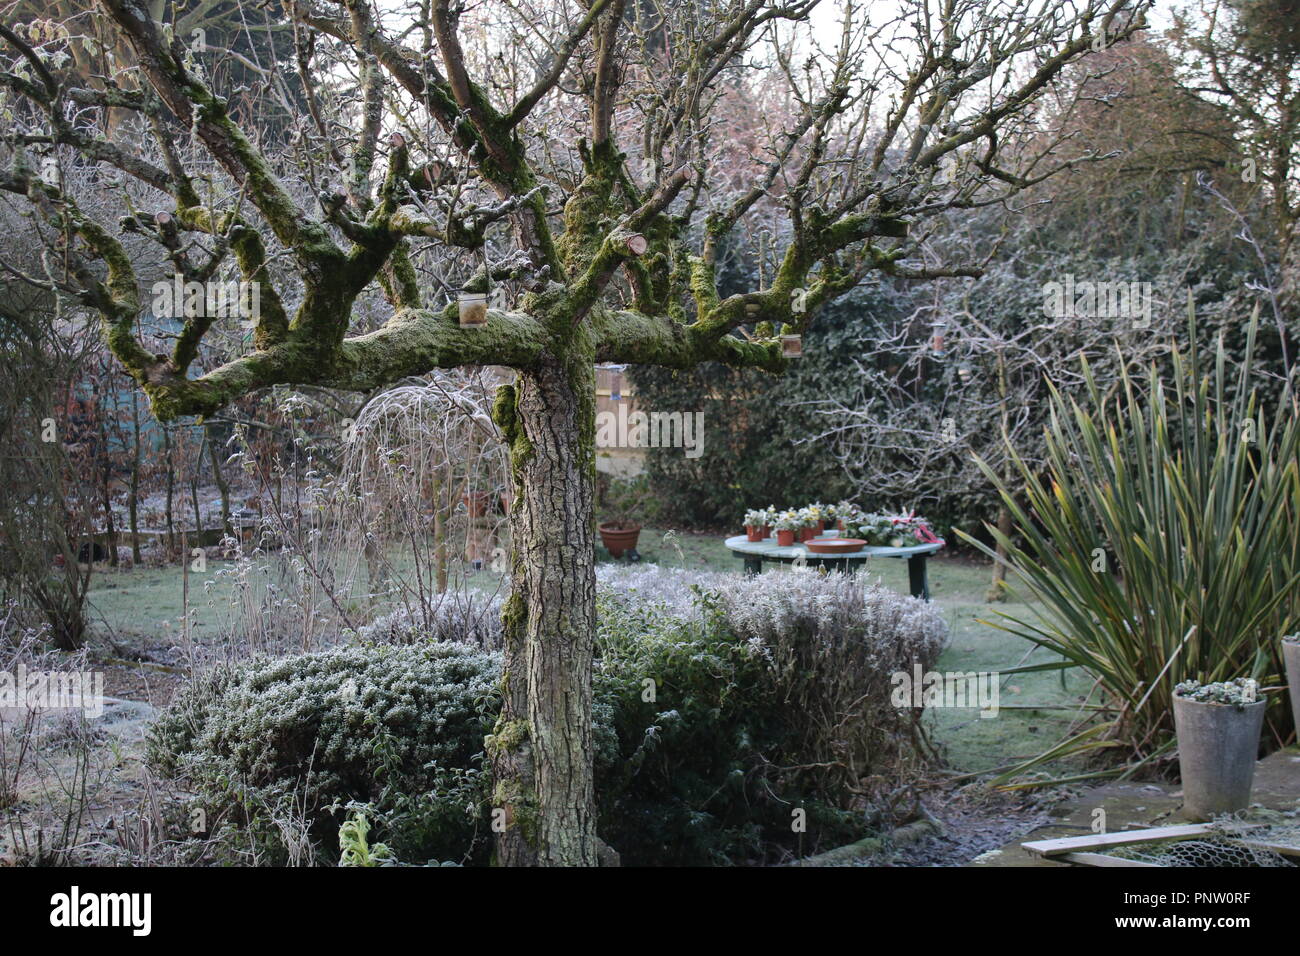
column 755, row 553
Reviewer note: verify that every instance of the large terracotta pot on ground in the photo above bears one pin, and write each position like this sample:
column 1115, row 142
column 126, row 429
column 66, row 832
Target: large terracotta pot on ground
column 617, row 539
column 1217, row 746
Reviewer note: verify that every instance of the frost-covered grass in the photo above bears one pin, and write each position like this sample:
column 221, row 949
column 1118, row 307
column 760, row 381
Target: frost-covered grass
column 145, row 604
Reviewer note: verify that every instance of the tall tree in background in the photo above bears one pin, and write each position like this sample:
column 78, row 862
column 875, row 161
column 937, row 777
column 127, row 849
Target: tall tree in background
column 601, row 152
column 1244, row 55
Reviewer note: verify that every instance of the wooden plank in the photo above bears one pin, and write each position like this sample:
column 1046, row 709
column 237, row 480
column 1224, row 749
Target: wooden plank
column 1100, row 841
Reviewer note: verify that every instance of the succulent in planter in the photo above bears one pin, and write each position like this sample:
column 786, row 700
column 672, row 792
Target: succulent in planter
column 1218, row 727
column 1238, row 692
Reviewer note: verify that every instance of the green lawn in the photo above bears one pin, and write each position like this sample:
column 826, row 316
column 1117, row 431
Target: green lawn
column 145, row 605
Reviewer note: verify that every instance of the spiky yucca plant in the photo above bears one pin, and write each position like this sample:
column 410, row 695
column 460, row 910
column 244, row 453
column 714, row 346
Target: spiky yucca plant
column 1162, row 541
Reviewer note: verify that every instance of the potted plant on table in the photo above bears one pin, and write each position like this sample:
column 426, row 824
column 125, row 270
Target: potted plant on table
column 872, row 528
column 787, row 524
column 755, row 522
column 820, row 515
column 807, row 524
column 846, row 514
column 1218, row 728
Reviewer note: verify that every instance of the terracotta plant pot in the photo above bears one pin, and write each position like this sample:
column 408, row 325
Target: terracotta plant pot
column 785, row 537
column 821, row 527
column 807, row 534
column 767, row 531
column 753, row 533
column 619, row 540
column 476, row 503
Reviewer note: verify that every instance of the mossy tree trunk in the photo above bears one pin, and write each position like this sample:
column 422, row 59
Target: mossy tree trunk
column 541, row 749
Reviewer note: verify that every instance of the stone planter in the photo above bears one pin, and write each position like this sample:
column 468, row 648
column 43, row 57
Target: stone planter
column 1291, row 657
column 1217, row 746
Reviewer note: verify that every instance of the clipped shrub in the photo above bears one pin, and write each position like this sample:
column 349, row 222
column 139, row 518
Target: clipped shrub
column 459, row 617
column 398, row 727
column 715, row 715
column 770, row 704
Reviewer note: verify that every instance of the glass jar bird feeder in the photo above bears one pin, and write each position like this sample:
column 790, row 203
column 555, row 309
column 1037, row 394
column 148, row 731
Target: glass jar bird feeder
column 473, row 308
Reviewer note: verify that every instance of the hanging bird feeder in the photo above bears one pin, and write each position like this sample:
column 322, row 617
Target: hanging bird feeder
column 936, row 337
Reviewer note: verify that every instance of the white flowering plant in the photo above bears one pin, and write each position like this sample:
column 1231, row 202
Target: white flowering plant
column 788, row 521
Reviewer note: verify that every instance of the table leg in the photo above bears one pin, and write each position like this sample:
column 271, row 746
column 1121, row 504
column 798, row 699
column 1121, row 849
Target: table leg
column 917, row 577
column 753, row 565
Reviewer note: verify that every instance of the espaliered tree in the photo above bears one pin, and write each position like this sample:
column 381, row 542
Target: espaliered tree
column 624, row 148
